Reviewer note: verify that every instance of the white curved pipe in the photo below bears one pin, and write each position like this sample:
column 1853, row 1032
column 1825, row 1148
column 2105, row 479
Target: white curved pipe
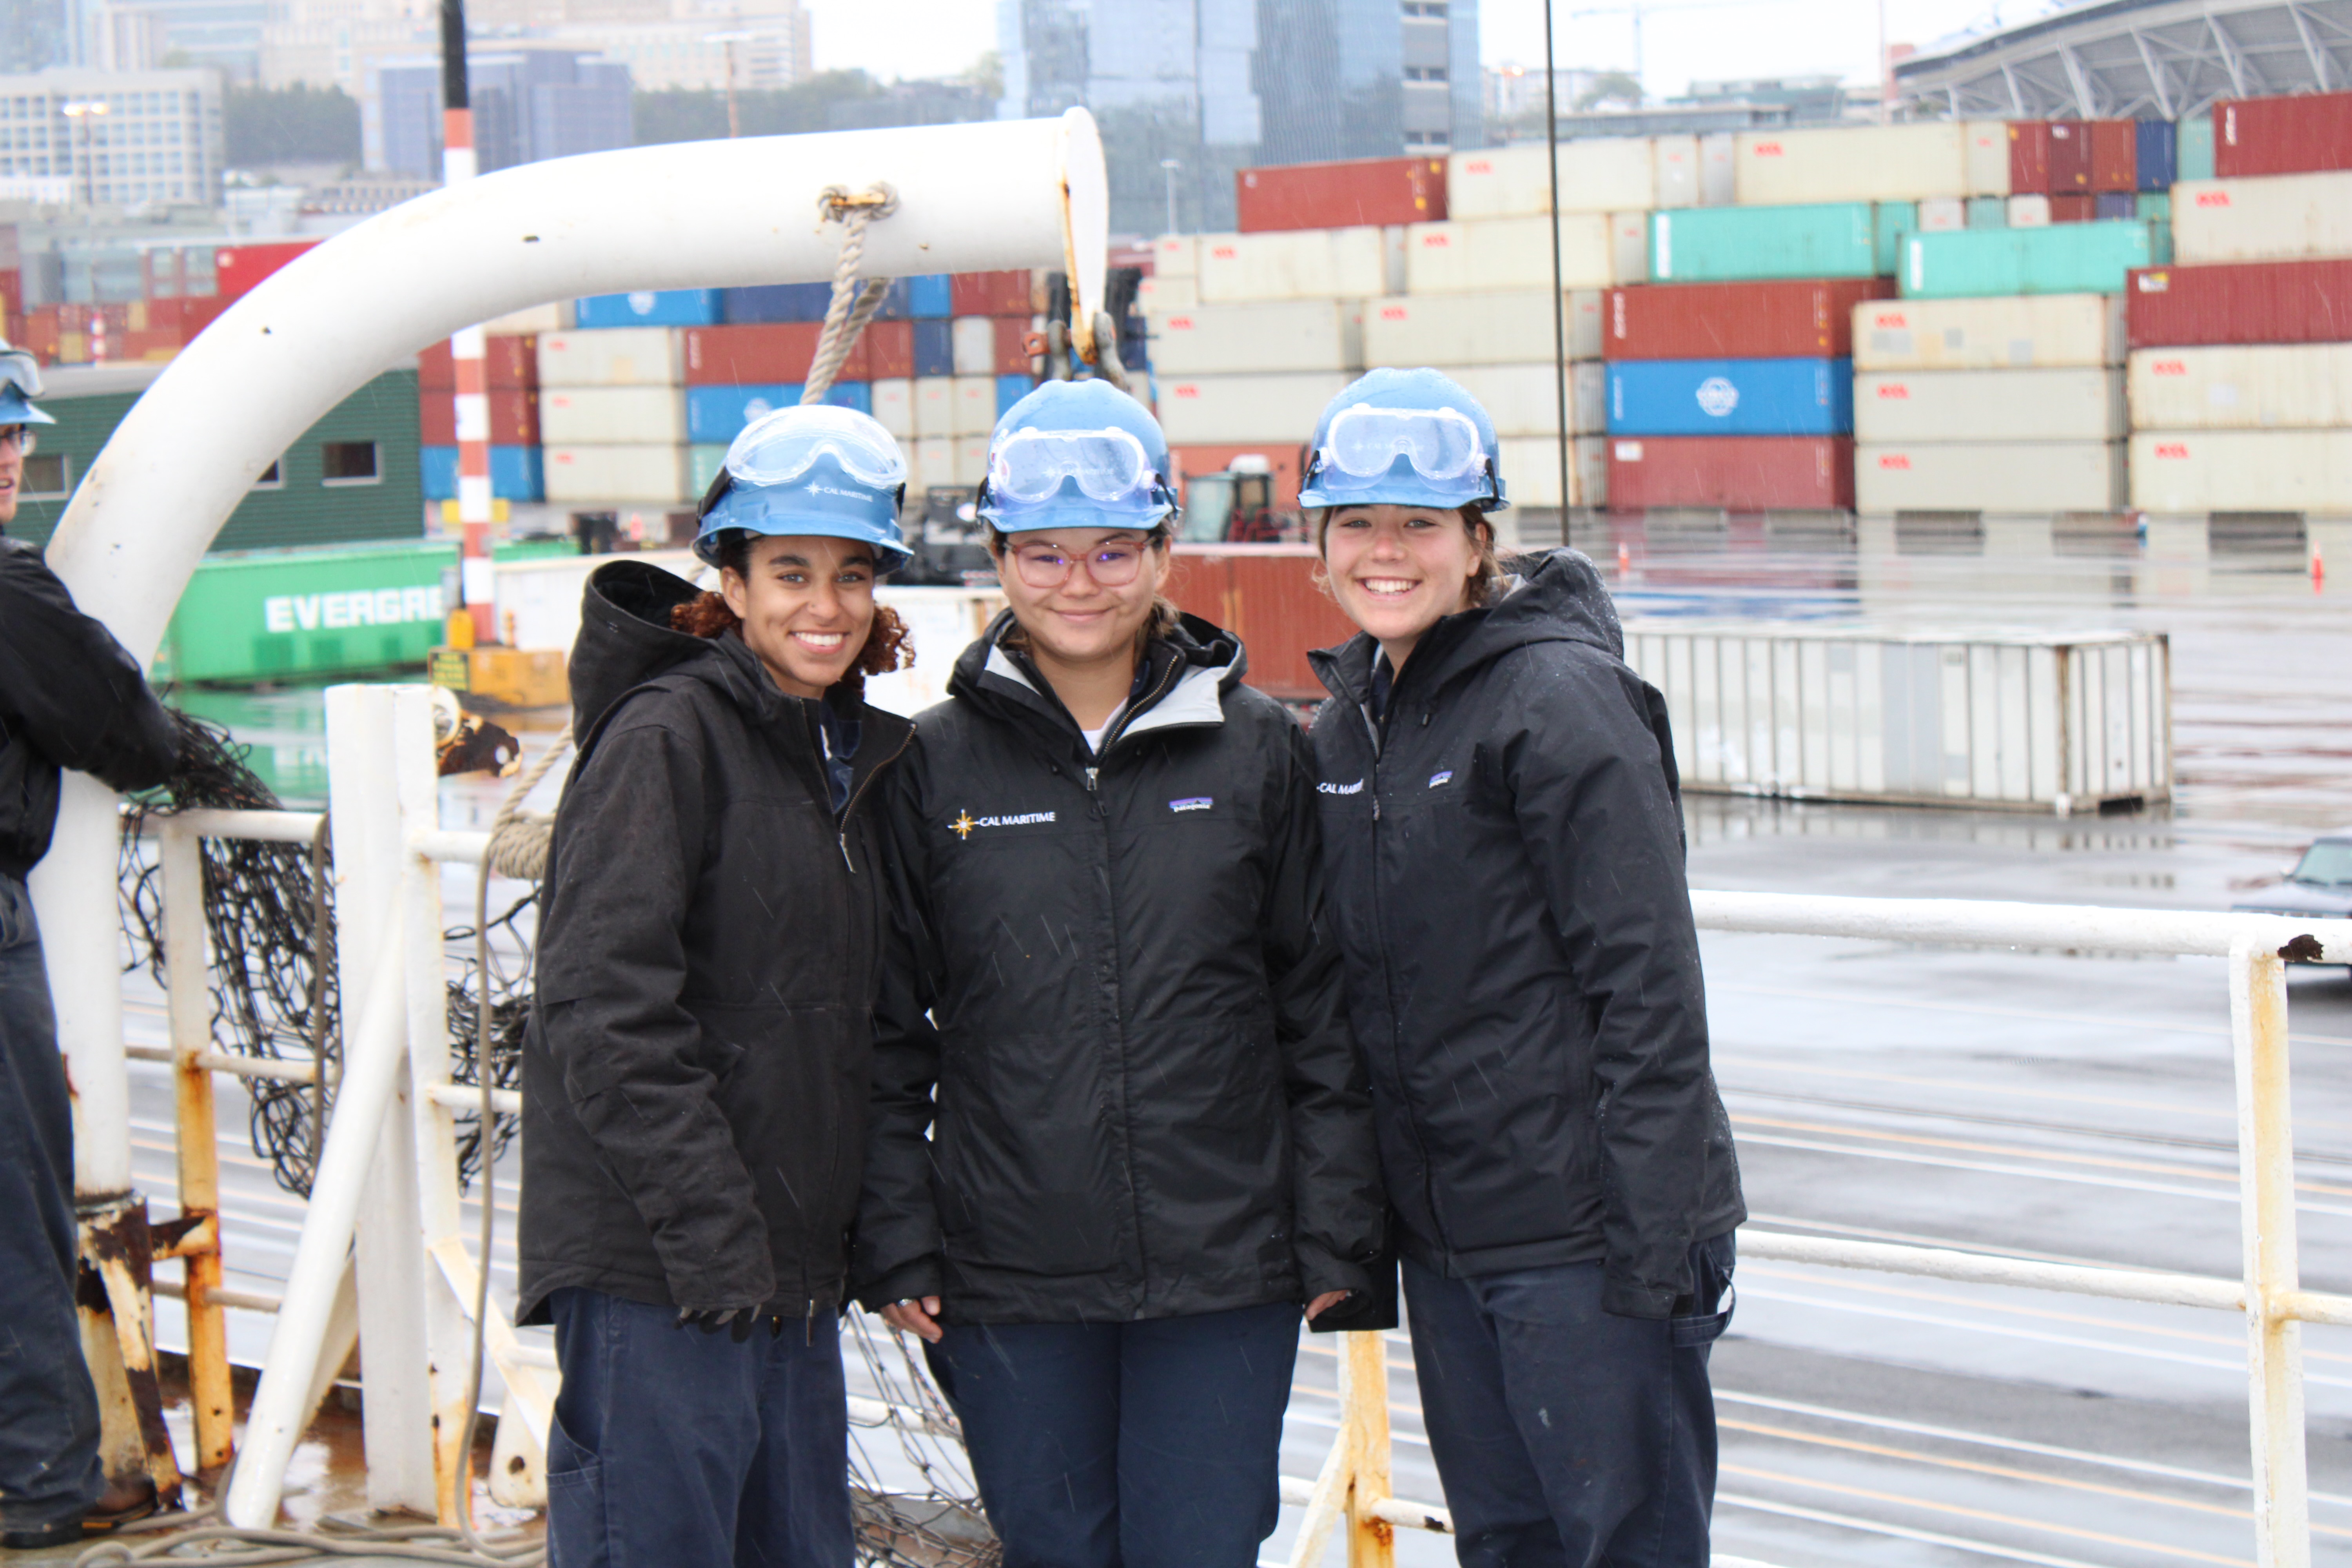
column 971, row 198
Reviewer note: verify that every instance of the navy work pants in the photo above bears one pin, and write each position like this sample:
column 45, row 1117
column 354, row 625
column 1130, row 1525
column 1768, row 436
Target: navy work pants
column 1140, row 1444
column 48, row 1410
column 676, row 1448
column 1567, row 1437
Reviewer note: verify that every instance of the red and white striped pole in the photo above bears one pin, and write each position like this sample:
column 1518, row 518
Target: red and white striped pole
column 477, row 584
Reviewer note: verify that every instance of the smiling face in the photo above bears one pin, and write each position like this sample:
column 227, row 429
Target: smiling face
column 806, row 602
column 1053, row 579
column 12, row 471
column 1396, row 571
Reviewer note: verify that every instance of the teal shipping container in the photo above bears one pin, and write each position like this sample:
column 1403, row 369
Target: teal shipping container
column 2064, row 258
column 1895, row 223
column 1732, row 244
column 1987, row 212
column 2156, row 206
column 2194, row 147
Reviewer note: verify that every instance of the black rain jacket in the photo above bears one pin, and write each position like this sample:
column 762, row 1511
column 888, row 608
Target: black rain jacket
column 1506, row 858
column 1141, row 1095
column 695, row 1070
column 71, row 697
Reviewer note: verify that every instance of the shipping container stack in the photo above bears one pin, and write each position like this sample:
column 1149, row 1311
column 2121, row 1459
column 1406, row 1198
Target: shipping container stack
column 2241, row 370
column 511, row 365
column 612, row 401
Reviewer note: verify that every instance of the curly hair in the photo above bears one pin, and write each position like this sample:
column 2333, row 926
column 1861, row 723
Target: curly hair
column 889, row 644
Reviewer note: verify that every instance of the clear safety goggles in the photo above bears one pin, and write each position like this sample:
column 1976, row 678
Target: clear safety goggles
column 1029, row 465
column 1364, row 443
column 20, row 370
column 779, row 448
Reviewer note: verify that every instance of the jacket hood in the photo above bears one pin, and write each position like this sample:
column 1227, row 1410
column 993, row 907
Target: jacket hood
column 1186, row 673
column 1556, row 596
column 625, row 639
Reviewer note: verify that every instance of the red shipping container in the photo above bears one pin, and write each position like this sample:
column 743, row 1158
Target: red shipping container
column 777, row 353
column 890, row 347
column 12, row 292
column 2240, row 303
column 2115, row 155
column 2070, row 157
column 1012, row 356
column 1739, row 473
column 2074, row 209
column 37, row 331
column 240, row 267
column 514, row 417
column 509, row 359
column 2298, row 135
column 1795, row 319
column 1266, row 595
column 990, row 293
column 1341, row 196
column 2029, row 157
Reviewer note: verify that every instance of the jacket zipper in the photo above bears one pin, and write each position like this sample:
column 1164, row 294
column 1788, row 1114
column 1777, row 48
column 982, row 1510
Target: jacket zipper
column 841, row 835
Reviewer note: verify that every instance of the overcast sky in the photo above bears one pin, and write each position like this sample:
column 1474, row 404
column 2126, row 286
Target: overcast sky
column 1682, row 39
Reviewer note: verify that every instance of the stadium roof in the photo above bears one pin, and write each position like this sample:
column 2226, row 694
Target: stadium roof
column 2134, row 59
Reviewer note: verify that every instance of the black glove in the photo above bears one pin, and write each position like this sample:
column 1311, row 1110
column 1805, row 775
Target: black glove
column 737, row 1320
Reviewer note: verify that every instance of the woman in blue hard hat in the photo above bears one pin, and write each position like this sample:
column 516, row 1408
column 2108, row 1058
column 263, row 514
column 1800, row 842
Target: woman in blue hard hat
column 1503, row 832
column 1149, row 1138
column 696, row 1068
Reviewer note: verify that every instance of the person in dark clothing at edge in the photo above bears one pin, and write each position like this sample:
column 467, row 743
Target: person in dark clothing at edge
column 1151, row 1136
column 71, row 697
column 695, row 1074
column 1503, row 831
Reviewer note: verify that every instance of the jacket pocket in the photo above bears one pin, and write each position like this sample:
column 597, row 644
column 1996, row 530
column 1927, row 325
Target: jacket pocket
column 1028, row 1175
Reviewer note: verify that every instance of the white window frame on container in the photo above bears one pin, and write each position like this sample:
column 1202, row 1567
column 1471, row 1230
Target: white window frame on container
column 375, row 476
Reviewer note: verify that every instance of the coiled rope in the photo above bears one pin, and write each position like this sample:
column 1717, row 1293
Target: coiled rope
column 519, row 839
column 853, row 303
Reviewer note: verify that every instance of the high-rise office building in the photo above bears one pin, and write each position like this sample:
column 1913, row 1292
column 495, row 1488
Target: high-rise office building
column 1217, row 85
column 126, row 137
column 529, row 103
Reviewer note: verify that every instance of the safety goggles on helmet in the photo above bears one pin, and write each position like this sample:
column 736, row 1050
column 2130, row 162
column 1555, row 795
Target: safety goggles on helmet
column 1365, row 442
column 1109, row 466
column 778, row 449
column 20, row 370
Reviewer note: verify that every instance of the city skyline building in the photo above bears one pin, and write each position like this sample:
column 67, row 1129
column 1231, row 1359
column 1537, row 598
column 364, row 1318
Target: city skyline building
column 127, row 138
column 1222, row 85
column 531, row 103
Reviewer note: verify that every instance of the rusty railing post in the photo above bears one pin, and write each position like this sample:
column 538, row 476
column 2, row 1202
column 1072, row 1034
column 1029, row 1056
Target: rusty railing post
column 1364, row 1430
column 199, row 1244
column 2266, row 1208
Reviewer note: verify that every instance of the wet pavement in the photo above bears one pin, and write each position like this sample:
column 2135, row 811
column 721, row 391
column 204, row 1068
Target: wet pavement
column 2062, row 1106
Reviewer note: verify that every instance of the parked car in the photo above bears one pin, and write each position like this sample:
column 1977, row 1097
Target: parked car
column 2320, row 884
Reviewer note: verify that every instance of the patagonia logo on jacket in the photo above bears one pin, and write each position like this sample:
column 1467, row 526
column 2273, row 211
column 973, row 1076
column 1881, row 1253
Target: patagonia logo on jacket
column 1356, row 788
column 1194, row 803
column 1439, row 778
column 965, row 822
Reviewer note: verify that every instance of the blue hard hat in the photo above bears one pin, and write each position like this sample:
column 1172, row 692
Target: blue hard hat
column 810, row 469
column 20, row 382
column 1404, row 437
column 1077, row 454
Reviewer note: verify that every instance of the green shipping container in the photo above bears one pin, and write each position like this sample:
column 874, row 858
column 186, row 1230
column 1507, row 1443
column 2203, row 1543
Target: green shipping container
column 2194, row 147
column 1719, row 245
column 2064, row 258
column 703, row 462
column 1895, row 223
column 1987, row 212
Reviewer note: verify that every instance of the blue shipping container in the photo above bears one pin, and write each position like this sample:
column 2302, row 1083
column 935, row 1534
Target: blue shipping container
column 1011, row 389
column 648, row 308
column 1731, row 397
column 516, row 473
column 718, row 413
column 929, row 297
column 775, row 303
column 934, row 348
column 2159, row 154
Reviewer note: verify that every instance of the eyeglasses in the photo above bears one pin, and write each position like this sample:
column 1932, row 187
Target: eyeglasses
column 17, row 436
column 1112, row 563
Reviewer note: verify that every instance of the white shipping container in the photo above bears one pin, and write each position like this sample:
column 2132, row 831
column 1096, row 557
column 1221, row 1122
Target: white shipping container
column 1524, row 399
column 1206, row 410
column 2009, row 332
column 1941, row 214
column 617, row 356
column 1530, row 466
column 635, row 472
column 554, row 316
column 2029, row 212
column 1298, row 264
column 1506, row 253
column 1852, row 163
column 2290, row 386
column 2084, row 404
column 1629, row 247
column 934, row 405
column 1597, row 173
column 1718, row 175
column 930, row 462
column 975, row 406
column 1176, row 256
column 894, row 406
column 972, row 340
column 2277, row 217
column 594, row 416
column 971, row 459
column 1674, row 165
column 1478, row 329
column 1289, row 334
column 2024, row 721
column 1987, row 154
column 1156, row 293
column 1988, row 476
column 2243, row 470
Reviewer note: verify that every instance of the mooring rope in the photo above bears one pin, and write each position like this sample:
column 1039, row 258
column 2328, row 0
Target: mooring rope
column 519, row 839
column 853, row 303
